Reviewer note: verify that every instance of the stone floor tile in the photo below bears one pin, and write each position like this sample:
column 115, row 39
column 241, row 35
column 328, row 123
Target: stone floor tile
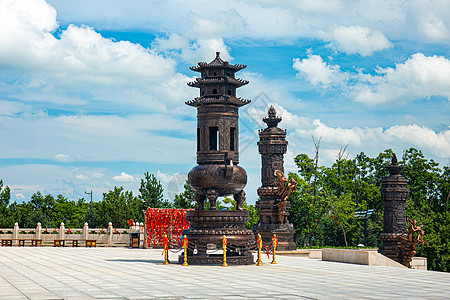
column 118, row 273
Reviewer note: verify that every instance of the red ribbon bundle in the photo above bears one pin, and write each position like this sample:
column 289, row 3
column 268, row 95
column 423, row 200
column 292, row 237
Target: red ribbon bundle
column 164, row 220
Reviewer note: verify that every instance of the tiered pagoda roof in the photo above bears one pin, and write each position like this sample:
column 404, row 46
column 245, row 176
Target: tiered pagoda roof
column 217, row 62
column 222, row 99
column 213, row 80
column 217, row 82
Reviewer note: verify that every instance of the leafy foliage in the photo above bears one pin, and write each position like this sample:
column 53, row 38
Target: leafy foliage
column 5, row 197
column 323, row 206
column 252, row 212
column 152, row 192
column 185, row 199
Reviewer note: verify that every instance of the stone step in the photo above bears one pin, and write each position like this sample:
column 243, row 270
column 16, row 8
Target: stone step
column 307, row 253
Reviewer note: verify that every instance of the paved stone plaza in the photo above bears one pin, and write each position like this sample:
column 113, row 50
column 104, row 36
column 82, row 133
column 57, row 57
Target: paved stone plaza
column 121, row 273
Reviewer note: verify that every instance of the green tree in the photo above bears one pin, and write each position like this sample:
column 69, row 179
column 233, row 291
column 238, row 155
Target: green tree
column 5, row 213
column 323, row 205
column 151, row 192
column 252, row 212
column 93, row 215
column 185, row 199
column 429, row 189
column 116, row 207
column 334, row 193
column 72, row 213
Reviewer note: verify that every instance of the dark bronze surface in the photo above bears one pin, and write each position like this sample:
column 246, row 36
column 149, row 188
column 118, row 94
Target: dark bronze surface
column 217, row 173
column 207, row 227
column 273, row 206
column 409, row 242
column 394, row 193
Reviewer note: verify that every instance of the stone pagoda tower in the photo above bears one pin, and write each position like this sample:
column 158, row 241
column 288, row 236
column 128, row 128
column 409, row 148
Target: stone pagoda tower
column 217, row 173
column 273, row 206
column 394, row 193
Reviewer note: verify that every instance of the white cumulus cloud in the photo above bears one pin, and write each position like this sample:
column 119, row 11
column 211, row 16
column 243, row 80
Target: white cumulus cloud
column 124, row 177
column 318, row 72
column 81, row 177
column 63, row 157
column 80, row 64
column 373, row 140
column 419, row 77
column 433, row 27
column 192, row 50
column 357, row 40
column 20, row 196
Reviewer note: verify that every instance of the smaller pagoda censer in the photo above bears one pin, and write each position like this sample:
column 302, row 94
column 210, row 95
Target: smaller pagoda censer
column 217, row 173
column 273, row 205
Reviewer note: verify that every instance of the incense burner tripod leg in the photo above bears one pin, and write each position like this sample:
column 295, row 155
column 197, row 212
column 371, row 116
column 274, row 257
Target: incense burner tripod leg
column 240, row 199
column 200, row 199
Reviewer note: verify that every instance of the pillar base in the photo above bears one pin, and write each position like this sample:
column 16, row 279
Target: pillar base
column 285, row 234
column 391, row 248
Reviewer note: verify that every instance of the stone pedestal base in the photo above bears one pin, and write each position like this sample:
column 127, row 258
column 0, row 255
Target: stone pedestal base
column 206, row 233
column 391, row 248
column 217, row 259
column 284, row 232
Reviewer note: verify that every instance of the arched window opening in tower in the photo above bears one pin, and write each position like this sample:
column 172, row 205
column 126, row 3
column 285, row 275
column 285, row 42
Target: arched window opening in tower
column 232, row 138
column 198, row 139
column 213, row 138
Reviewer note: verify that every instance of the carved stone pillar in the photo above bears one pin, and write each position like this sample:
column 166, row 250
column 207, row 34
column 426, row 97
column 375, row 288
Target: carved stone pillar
column 273, row 207
column 394, row 193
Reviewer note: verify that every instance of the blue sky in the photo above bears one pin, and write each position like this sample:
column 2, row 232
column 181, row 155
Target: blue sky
column 92, row 92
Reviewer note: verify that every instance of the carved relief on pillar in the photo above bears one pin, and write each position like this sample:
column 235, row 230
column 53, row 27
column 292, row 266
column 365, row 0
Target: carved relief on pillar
column 394, row 217
column 271, row 163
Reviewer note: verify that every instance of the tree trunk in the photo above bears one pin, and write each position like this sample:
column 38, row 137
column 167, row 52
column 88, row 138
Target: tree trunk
column 345, row 236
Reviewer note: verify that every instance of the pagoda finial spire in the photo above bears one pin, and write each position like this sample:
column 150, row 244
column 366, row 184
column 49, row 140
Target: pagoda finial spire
column 394, row 168
column 217, row 53
column 272, row 120
column 394, row 159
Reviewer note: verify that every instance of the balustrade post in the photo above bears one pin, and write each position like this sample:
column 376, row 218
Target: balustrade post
column 110, row 233
column 141, row 235
column 38, row 234
column 86, row 231
column 16, row 231
column 62, row 230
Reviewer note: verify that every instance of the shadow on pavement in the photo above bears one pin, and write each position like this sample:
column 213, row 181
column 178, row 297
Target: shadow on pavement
column 151, row 261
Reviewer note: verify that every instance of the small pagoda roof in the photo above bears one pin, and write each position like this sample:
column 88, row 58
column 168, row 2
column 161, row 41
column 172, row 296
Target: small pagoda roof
column 214, row 80
column 217, row 63
column 222, row 99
